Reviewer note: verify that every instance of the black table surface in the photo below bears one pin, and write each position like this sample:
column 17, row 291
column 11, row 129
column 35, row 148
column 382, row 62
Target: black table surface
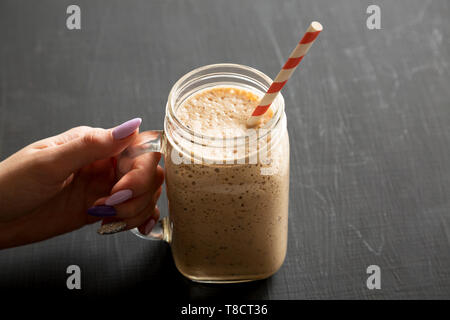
column 368, row 116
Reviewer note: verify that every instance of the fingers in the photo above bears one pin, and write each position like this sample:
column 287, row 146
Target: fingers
column 145, row 220
column 149, row 213
column 81, row 146
column 132, row 199
column 61, row 138
column 145, row 175
column 148, row 225
column 139, row 188
column 134, row 207
column 131, row 213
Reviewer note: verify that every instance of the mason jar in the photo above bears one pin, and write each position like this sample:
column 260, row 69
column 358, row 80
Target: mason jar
column 228, row 195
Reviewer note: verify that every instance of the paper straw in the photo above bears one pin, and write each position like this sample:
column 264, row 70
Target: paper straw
column 283, row 76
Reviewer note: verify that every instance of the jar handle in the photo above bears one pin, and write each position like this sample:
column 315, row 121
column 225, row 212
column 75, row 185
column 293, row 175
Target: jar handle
column 147, row 141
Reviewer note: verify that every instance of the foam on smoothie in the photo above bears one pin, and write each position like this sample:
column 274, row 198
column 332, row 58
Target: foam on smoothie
column 213, row 111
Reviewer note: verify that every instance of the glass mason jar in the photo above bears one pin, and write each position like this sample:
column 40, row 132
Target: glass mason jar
column 228, row 196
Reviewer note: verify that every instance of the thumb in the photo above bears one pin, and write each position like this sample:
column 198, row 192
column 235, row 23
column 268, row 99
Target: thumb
column 94, row 144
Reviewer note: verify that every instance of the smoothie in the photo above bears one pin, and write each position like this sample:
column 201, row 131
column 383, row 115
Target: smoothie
column 229, row 220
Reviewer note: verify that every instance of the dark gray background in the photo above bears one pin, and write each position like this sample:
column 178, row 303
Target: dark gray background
column 368, row 116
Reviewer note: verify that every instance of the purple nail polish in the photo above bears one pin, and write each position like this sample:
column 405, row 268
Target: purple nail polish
column 126, row 128
column 102, row 211
column 119, row 197
column 149, row 226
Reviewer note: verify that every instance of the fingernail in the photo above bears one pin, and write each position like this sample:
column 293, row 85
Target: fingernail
column 102, row 211
column 149, row 226
column 119, row 197
column 113, row 227
column 126, row 128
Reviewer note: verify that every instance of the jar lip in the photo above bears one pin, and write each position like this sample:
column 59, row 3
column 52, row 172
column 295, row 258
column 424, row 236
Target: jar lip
column 272, row 123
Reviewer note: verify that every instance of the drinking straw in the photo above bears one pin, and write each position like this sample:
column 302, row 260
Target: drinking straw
column 285, row 73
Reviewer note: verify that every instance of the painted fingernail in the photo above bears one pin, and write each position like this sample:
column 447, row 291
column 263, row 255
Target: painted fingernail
column 119, row 197
column 149, row 226
column 102, row 211
column 113, row 227
column 126, row 128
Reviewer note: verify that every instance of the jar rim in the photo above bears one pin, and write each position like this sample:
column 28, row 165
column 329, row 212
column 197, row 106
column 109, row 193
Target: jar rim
column 278, row 103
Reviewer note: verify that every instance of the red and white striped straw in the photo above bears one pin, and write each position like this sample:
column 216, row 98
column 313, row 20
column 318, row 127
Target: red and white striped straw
column 288, row 69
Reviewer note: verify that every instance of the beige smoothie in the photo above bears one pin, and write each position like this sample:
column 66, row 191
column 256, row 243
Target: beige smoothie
column 229, row 220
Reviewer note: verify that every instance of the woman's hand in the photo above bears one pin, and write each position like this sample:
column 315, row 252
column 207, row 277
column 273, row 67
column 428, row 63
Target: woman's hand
column 48, row 187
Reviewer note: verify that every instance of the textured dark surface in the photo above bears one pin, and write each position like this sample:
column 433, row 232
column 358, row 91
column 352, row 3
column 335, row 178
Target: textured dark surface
column 368, row 114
